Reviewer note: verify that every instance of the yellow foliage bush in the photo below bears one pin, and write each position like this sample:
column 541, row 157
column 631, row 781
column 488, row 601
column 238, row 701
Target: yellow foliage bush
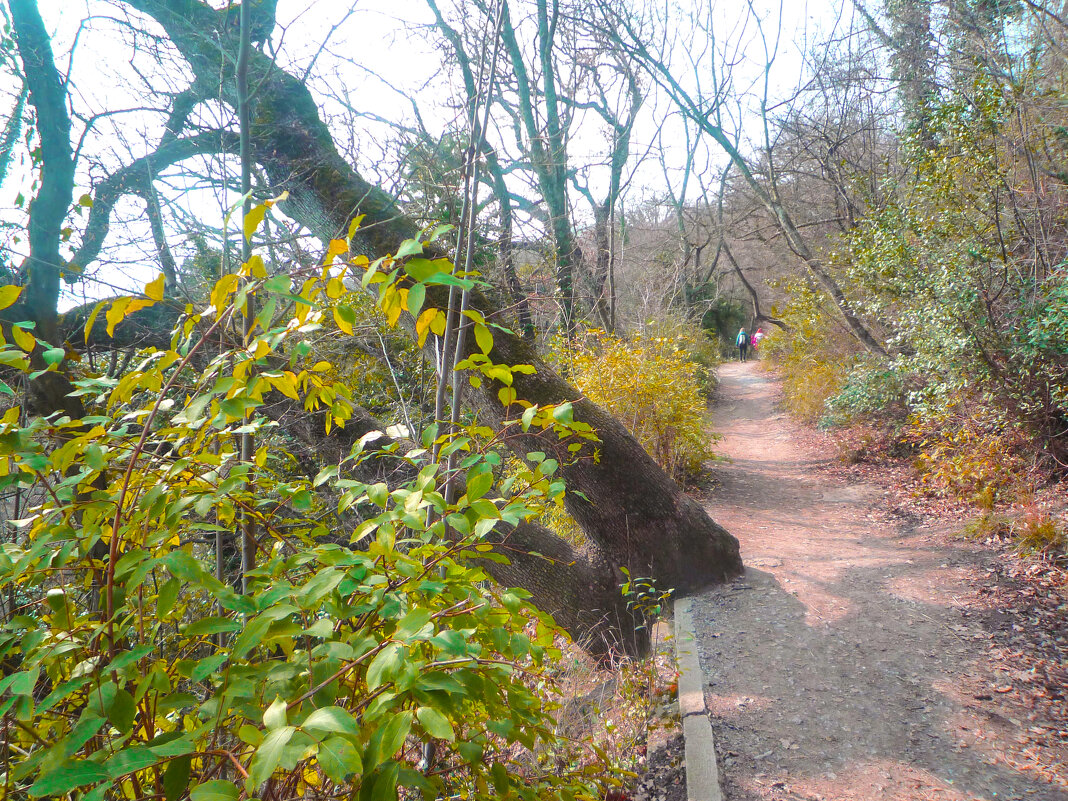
column 651, row 384
column 965, row 458
column 814, row 357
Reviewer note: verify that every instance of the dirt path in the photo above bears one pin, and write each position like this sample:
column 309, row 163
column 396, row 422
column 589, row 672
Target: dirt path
column 850, row 661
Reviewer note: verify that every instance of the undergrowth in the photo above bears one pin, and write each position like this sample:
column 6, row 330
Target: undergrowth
column 654, row 382
column 813, row 356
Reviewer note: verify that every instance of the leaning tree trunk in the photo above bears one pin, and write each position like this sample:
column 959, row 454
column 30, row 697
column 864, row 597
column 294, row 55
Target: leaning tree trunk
column 631, row 511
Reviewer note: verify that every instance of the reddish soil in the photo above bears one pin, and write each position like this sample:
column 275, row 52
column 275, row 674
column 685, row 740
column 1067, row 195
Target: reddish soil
column 868, row 652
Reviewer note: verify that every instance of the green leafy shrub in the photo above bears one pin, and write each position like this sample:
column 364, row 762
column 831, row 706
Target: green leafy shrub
column 872, row 388
column 133, row 668
column 973, row 305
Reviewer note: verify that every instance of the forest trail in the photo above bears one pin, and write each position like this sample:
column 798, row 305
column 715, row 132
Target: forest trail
column 850, row 661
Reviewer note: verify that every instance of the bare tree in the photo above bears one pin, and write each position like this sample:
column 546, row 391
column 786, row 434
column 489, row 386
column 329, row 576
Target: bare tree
column 703, row 104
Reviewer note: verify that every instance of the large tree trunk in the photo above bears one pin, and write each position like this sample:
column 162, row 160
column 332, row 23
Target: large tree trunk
column 631, row 511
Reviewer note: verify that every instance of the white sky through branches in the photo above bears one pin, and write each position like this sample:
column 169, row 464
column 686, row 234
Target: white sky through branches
column 367, row 63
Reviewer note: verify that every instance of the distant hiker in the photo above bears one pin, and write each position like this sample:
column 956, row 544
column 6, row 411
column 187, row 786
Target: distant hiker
column 743, row 344
column 755, row 342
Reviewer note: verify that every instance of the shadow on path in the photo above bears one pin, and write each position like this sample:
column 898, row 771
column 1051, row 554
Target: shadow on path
column 836, row 664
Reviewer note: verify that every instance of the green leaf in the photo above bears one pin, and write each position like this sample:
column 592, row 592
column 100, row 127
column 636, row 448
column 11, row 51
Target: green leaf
column 216, row 790
column 22, row 683
column 176, row 777
column 448, row 279
column 378, row 494
column 421, row 269
column 168, row 594
column 268, row 755
column 81, row 734
column 564, row 413
column 435, row 723
column 172, row 744
column 205, row 667
column 53, row 355
column 127, row 760
column 331, row 719
column 251, row 636
column 416, row 298
column 385, row 787
column 409, row 247
column 211, row 625
column 394, row 734
column 412, row 623
column 339, row 759
column 275, row 716
column 384, row 666
column 479, row 484
column 122, row 710
column 183, row 566
column 70, row 776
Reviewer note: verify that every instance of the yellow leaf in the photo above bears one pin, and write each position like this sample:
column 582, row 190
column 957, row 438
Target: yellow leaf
column 256, row 267
column 437, row 325
column 286, row 384
column 223, row 288
column 253, row 219
column 155, row 289
column 422, row 325
column 279, row 199
column 116, row 314
column 8, row 295
column 92, row 319
column 337, row 247
column 483, row 337
column 335, row 288
column 24, row 339
column 392, row 305
column 354, row 225
column 342, row 323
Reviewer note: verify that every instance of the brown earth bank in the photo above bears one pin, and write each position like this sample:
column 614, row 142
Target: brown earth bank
column 868, row 653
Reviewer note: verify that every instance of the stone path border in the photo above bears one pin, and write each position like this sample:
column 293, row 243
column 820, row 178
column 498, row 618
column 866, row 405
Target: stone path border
column 702, row 773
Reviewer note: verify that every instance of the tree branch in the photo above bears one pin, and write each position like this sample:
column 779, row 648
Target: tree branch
column 136, row 178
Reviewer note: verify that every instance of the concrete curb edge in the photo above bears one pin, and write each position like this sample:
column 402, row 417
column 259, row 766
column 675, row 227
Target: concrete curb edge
column 702, row 772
